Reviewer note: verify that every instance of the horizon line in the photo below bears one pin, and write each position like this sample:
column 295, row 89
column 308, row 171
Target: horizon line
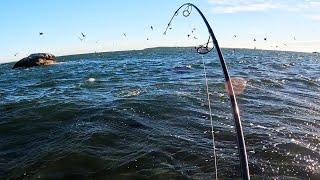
column 128, row 50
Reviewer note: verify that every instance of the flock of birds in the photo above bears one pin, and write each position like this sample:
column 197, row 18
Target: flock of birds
column 265, row 39
column 83, row 36
column 125, row 35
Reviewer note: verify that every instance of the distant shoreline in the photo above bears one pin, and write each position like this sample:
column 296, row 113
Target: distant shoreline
column 13, row 61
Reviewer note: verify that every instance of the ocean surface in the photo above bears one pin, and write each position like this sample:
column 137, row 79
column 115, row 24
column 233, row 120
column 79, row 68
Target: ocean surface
column 144, row 114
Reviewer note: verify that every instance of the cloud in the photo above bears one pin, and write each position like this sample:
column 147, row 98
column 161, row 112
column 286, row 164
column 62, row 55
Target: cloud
column 236, row 6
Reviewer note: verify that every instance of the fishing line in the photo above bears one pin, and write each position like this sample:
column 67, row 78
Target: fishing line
column 204, row 49
column 211, row 120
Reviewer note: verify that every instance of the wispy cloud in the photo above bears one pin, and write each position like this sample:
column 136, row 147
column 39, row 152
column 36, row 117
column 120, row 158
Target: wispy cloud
column 235, row 6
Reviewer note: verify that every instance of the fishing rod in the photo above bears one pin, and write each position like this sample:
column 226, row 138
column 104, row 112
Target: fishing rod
column 204, row 49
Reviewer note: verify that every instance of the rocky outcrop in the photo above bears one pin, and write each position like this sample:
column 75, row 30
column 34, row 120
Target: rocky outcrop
column 39, row 59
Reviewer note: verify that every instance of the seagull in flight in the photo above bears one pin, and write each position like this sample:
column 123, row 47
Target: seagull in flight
column 124, row 34
column 83, row 36
column 16, row 54
column 81, row 39
column 41, row 33
column 151, row 28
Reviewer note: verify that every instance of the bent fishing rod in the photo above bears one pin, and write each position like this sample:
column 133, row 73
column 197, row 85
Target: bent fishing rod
column 204, row 49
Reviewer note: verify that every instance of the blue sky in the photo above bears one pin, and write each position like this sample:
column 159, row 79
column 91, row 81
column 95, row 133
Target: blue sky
column 104, row 22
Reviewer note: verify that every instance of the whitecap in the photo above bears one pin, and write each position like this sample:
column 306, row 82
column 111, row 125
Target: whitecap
column 91, row 80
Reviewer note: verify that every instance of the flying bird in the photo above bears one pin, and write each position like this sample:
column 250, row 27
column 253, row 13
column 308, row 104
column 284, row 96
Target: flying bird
column 254, row 40
column 195, row 37
column 124, row 34
column 41, row 33
column 193, row 30
column 234, row 36
column 16, row 54
column 151, row 28
column 265, row 38
column 83, row 36
column 188, row 35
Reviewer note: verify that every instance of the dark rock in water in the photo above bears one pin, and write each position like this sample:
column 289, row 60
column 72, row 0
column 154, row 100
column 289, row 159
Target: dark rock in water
column 39, row 59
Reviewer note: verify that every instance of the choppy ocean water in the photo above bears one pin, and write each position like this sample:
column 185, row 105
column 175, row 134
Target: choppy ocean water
column 144, row 114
